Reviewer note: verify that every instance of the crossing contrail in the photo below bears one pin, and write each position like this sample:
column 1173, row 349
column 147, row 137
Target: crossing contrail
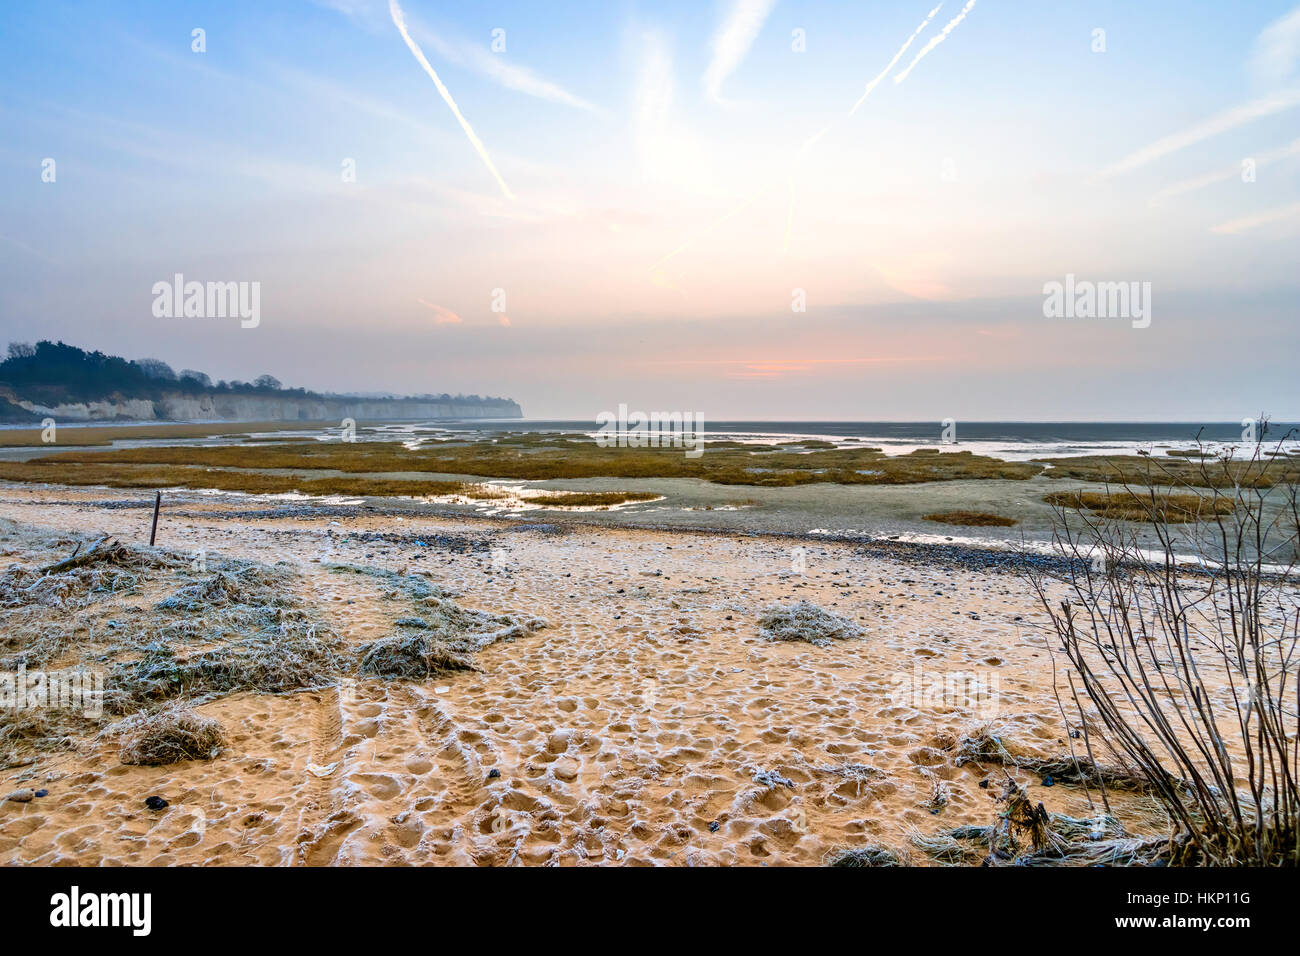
column 894, row 62
column 935, row 41
column 399, row 21
column 812, row 140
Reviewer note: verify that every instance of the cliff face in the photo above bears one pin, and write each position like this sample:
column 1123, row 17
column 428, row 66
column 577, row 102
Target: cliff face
column 238, row 408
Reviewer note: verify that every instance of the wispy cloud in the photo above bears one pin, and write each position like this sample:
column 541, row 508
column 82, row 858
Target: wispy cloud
column 1214, row 126
column 1277, row 50
column 1225, row 174
column 495, row 67
column 653, row 100
column 936, row 40
column 1246, row 223
column 25, row 247
column 399, row 20
column 210, row 157
column 732, row 40
column 370, row 15
column 762, row 368
column 441, row 316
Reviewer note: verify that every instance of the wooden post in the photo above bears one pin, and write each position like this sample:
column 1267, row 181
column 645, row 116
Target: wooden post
column 157, row 503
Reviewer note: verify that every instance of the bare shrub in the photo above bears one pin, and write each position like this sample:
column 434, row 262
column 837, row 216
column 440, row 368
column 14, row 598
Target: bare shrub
column 1186, row 669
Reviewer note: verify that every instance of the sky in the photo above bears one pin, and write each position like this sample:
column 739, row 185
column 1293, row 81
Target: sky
column 749, row 209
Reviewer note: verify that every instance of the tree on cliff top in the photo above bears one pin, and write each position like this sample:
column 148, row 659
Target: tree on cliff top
column 52, row 373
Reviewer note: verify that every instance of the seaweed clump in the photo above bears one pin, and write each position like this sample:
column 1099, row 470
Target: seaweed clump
column 805, row 621
column 170, row 736
column 440, row 641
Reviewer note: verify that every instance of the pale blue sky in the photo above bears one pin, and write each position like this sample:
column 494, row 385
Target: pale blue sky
column 662, row 208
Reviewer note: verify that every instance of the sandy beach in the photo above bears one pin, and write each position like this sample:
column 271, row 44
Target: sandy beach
column 647, row 722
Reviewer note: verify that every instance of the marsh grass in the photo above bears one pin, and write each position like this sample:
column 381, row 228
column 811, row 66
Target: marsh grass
column 220, row 479
column 486, row 492
column 864, row 856
column 533, row 459
column 589, row 499
column 22, row 732
column 441, row 639
column 167, row 737
column 977, row 519
column 1205, row 469
column 245, row 654
column 100, row 435
column 166, row 633
column 412, row 656
column 1148, row 505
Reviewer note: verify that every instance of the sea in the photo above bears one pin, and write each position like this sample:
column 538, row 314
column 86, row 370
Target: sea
column 1010, row 441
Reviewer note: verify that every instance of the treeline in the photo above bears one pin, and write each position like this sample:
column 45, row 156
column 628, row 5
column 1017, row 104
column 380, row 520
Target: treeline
column 50, row 373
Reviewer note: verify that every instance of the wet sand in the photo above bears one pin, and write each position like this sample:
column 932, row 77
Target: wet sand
column 631, row 730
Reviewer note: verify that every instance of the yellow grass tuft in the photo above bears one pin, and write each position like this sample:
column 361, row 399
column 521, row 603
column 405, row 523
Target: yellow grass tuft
column 976, row 519
column 1150, row 507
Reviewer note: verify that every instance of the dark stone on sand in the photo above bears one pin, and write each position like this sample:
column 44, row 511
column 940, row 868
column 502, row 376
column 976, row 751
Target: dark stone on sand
column 713, row 827
column 494, row 773
column 1048, row 781
column 42, row 793
column 155, row 803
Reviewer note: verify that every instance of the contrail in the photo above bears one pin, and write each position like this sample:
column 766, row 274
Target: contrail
column 745, row 204
column 874, row 83
column 1245, row 223
column 808, row 144
column 737, row 210
column 1231, row 172
column 1216, row 125
column 399, row 21
column 897, row 56
column 732, row 41
column 935, row 41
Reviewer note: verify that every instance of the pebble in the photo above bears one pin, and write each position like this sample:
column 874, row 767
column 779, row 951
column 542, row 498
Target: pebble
column 155, row 803
column 21, row 796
